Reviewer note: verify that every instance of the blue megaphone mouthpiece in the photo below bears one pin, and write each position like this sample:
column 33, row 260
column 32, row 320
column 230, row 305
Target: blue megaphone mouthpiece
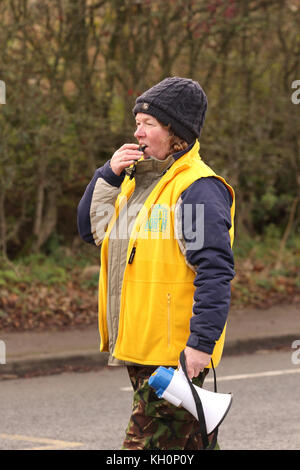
column 161, row 379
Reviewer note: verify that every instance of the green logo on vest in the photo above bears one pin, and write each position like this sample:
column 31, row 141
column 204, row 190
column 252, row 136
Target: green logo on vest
column 158, row 220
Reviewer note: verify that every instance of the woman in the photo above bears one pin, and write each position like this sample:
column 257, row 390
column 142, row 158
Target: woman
column 165, row 223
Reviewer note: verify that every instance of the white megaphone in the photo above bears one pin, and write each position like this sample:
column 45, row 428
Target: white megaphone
column 172, row 385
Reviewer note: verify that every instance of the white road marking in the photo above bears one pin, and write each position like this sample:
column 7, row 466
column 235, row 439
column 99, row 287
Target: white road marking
column 51, row 444
column 268, row 373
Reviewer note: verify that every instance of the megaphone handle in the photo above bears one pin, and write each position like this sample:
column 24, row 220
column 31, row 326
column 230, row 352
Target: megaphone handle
column 200, row 413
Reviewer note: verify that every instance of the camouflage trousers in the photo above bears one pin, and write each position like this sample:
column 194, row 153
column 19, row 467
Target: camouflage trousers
column 156, row 424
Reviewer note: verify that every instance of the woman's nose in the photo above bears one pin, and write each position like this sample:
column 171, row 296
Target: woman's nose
column 139, row 132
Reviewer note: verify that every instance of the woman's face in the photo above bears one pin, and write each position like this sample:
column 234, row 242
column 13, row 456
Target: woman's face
column 151, row 133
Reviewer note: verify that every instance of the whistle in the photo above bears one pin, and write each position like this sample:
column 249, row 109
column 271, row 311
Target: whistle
column 141, row 149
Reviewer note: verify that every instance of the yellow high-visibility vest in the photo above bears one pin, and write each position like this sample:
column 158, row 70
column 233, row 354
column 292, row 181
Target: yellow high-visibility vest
column 157, row 291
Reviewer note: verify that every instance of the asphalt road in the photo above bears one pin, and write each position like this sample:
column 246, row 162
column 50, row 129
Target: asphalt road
column 89, row 411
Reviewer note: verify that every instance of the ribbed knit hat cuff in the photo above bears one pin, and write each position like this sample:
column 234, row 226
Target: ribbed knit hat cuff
column 178, row 128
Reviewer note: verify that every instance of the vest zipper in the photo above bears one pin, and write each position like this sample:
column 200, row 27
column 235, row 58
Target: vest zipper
column 169, row 318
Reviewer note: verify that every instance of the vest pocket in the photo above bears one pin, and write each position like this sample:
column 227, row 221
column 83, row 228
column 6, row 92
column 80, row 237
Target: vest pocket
column 154, row 322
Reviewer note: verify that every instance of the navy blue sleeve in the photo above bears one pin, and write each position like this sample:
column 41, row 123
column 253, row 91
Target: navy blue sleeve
column 83, row 211
column 213, row 261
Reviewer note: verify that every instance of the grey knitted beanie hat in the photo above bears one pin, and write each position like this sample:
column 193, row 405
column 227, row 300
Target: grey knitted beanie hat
column 177, row 101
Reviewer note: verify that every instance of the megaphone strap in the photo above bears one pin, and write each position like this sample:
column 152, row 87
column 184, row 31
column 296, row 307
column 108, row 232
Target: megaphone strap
column 215, row 378
column 199, row 407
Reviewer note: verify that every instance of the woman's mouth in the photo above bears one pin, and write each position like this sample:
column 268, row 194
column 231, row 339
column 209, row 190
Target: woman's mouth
column 142, row 147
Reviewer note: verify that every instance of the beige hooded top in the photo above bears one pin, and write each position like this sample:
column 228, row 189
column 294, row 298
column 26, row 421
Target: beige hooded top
column 148, row 173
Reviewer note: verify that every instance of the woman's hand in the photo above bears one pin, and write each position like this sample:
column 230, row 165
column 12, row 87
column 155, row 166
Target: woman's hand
column 124, row 157
column 195, row 361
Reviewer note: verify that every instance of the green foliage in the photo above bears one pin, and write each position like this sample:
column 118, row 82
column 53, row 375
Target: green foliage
column 34, row 269
column 92, row 282
column 263, row 277
column 79, row 66
column 58, row 267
